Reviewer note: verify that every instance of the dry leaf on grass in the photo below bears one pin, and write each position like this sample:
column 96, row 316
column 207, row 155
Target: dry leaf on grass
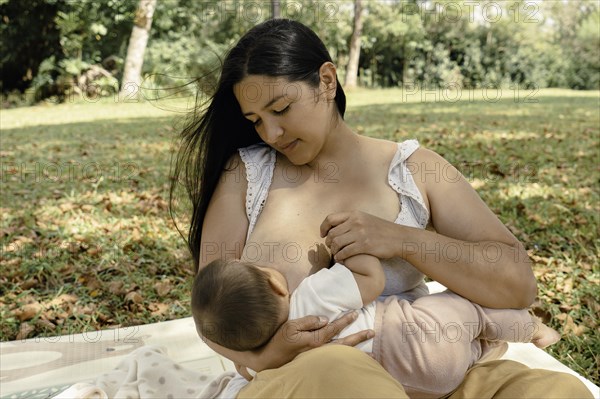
column 134, row 297
column 63, row 299
column 158, row 309
column 28, row 312
column 24, row 331
column 569, row 325
column 116, row 287
column 162, row 288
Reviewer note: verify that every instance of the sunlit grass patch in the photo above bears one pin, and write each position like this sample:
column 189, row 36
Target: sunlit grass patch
column 87, row 242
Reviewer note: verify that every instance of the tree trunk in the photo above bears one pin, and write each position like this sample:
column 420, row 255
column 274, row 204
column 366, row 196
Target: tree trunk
column 354, row 56
column 275, row 9
column 132, row 75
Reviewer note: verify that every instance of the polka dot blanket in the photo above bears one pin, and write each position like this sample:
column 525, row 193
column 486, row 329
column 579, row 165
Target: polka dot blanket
column 148, row 372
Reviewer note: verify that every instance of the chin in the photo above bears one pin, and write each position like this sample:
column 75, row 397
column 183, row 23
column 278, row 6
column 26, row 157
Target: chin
column 300, row 160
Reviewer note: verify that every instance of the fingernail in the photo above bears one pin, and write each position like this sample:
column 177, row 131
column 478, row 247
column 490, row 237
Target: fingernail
column 323, row 320
column 370, row 334
column 354, row 315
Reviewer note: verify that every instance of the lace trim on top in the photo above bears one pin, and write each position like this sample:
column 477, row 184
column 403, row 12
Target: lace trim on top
column 412, row 206
column 259, row 160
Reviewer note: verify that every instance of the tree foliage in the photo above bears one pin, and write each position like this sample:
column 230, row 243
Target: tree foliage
column 50, row 46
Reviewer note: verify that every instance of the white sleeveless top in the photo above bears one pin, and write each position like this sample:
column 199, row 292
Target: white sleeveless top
column 401, row 277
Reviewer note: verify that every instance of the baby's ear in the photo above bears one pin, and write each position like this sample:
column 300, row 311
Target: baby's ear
column 278, row 287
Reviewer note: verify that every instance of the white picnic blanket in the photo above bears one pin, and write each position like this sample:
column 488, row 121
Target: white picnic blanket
column 43, row 367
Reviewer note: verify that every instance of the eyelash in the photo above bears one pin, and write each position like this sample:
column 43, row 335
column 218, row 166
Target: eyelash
column 283, row 111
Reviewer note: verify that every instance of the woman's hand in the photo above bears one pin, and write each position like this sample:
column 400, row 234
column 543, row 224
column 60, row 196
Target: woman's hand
column 243, row 371
column 300, row 335
column 354, row 233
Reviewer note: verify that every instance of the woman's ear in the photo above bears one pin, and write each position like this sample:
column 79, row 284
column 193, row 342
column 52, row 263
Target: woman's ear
column 328, row 79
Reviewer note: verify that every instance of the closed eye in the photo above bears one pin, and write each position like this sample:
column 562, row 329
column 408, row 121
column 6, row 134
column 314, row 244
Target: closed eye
column 283, row 111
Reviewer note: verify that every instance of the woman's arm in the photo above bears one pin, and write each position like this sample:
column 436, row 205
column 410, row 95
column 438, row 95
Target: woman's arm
column 471, row 252
column 225, row 223
column 293, row 338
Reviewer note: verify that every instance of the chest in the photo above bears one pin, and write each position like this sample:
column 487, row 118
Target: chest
column 287, row 235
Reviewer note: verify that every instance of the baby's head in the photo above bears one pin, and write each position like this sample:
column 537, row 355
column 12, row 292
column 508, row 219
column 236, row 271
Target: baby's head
column 239, row 305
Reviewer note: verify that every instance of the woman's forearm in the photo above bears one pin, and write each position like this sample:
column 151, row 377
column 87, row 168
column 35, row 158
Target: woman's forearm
column 490, row 273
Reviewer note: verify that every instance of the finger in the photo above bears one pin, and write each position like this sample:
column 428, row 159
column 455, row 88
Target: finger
column 347, row 251
column 340, row 243
column 243, row 371
column 336, row 231
column 337, row 326
column 356, row 338
column 306, row 323
column 332, row 220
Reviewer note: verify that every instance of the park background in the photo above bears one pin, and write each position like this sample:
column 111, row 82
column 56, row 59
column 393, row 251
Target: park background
column 94, row 93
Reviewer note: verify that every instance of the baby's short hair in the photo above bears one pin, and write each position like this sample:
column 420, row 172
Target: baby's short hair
column 233, row 305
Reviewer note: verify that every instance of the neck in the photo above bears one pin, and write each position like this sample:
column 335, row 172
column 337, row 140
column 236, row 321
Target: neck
column 340, row 142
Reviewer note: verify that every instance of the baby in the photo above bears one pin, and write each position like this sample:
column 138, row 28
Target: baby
column 427, row 345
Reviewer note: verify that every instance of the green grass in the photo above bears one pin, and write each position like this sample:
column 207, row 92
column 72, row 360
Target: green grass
column 87, row 242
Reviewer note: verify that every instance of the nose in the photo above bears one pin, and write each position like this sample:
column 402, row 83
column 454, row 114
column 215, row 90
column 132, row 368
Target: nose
column 271, row 132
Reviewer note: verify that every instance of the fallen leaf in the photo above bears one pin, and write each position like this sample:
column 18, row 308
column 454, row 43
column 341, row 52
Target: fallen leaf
column 43, row 323
column 67, row 206
column 561, row 317
column 116, row 287
column 567, row 286
column 134, row 297
column 162, row 288
column 30, row 283
column 24, row 331
column 569, row 327
column 592, row 304
column 158, row 309
column 94, row 251
column 63, row 299
column 28, row 312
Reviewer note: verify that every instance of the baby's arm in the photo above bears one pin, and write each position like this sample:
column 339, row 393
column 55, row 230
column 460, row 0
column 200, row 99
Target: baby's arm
column 368, row 274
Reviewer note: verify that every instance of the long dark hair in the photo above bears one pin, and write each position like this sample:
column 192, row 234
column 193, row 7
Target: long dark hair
column 275, row 48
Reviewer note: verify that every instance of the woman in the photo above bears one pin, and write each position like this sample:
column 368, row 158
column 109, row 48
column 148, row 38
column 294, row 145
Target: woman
column 304, row 187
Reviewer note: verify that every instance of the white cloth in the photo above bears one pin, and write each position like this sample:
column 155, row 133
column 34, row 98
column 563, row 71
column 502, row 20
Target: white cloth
column 331, row 293
column 148, row 372
column 401, row 277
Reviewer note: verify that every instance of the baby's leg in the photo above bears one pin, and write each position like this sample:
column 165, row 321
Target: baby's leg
column 515, row 325
column 428, row 345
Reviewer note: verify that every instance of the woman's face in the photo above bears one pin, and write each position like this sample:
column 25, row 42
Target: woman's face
column 292, row 117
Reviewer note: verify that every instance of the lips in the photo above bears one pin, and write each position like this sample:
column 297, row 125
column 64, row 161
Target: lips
column 288, row 145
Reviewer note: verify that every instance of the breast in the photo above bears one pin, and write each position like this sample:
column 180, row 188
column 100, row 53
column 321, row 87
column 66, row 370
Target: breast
column 286, row 237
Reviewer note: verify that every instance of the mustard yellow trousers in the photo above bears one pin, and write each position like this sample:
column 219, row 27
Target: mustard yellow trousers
column 337, row 371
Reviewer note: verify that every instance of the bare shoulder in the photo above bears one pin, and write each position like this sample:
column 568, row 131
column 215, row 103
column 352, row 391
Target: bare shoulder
column 380, row 149
column 430, row 168
column 427, row 156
